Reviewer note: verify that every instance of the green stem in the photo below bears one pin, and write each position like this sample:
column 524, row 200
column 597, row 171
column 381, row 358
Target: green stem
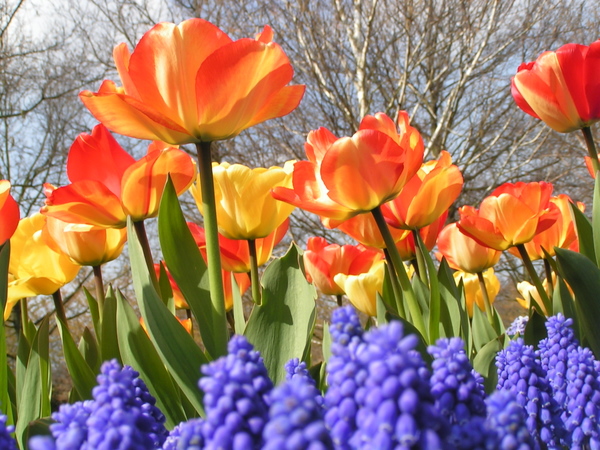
column 60, row 308
column 549, row 280
column 254, row 279
column 535, row 278
column 420, row 259
column 489, row 311
column 395, row 286
column 140, row 231
column 213, row 255
column 591, row 148
column 100, row 287
column 339, row 299
column 400, row 270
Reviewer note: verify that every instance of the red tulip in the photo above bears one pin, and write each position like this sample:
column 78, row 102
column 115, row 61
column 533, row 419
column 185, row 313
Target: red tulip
column 9, row 212
column 191, row 83
column 561, row 88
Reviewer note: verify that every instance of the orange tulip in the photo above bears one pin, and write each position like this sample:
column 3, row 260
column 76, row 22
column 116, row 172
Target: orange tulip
column 178, row 298
column 191, row 83
column 473, row 294
column 561, row 88
column 352, row 175
column 511, row 215
column 235, row 254
column 426, row 196
column 463, row 252
column 108, row 184
column 9, row 212
column 561, row 234
column 185, row 323
column 85, row 244
column 323, row 261
column 429, row 235
column 364, row 229
column 590, row 167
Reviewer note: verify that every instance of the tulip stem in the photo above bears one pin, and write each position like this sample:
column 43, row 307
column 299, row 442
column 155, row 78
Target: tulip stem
column 591, row 147
column 395, row 286
column 213, row 255
column 550, row 281
column 59, row 307
column 487, row 304
column 338, row 298
column 420, row 259
column 400, row 270
column 140, row 231
column 535, row 278
column 254, row 279
column 99, row 287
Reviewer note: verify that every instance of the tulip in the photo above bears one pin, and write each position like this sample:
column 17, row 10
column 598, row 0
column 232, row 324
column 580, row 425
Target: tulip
column 9, row 212
column 35, row 268
column 463, row 252
column 561, row 234
column 107, row 184
column 429, row 234
column 178, row 298
column 511, row 215
column 362, row 289
column 473, row 292
column 363, row 229
column 561, row 88
column 191, row 83
column 85, row 244
column 245, row 208
column 235, row 254
column 322, row 261
column 426, row 196
column 347, row 176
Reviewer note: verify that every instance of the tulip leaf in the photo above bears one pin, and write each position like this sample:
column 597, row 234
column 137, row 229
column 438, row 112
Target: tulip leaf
column 109, row 345
column 5, row 404
column 584, row 278
column 137, row 351
column 485, row 363
column 32, row 404
column 562, row 302
column 81, row 373
column 94, row 312
column 434, row 292
column 381, row 309
column 280, row 328
column 176, row 347
column 326, row 342
column 483, row 331
column 585, row 233
column 238, row 307
column 166, row 292
column 535, row 330
column 450, row 311
column 23, row 350
column 186, row 266
column 4, row 261
column 88, row 347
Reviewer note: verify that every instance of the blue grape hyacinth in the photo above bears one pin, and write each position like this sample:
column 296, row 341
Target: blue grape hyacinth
column 296, row 417
column 186, row 436
column 7, row 442
column 505, row 425
column 236, row 390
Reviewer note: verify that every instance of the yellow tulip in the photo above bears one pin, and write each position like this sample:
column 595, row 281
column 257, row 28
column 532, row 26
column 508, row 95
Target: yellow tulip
column 362, row 289
column 34, row 268
column 473, row 292
column 245, row 207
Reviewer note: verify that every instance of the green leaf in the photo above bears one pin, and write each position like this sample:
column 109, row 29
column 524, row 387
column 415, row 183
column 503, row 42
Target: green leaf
column 434, row 293
column 238, row 307
column 535, row 330
column 4, row 261
column 595, row 220
column 95, row 313
column 584, row 278
column 187, row 267
column 483, row 331
column 5, row 404
column 109, row 346
column 88, row 347
column 281, row 327
column 585, row 233
column 23, row 350
column 381, row 309
column 563, row 303
column 326, row 342
column 43, row 350
column 176, row 347
column 137, row 351
column 485, row 363
column 84, row 378
column 166, row 291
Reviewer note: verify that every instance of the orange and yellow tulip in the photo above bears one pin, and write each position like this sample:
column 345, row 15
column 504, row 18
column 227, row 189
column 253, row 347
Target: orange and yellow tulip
column 9, row 212
column 473, row 294
column 463, row 252
column 191, row 83
column 34, row 267
column 426, row 196
column 235, row 254
column 511, row 215
column 323, row 261
column 561, row 87
column 245, row 207
column 347, row 176
column 561, row 234
column 362, row 289
column 85, row 244
column 107, row 184
column 178, row 298
column 429, row 234
column 364, row 229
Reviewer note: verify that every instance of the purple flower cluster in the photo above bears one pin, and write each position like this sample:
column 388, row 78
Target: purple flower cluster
column 7, row 442
column 505, row 425
column 122, row 416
